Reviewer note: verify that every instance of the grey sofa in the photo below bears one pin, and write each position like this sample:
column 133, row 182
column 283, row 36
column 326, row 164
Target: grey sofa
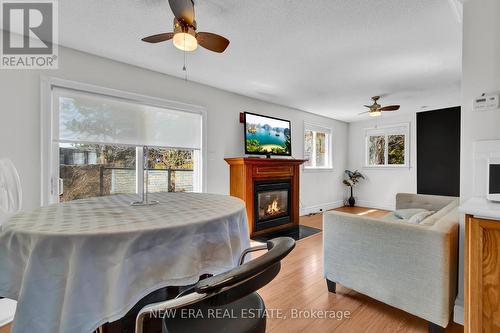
column 412, row 267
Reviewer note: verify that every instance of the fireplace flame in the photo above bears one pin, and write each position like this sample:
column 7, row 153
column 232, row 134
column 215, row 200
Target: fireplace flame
column 273, row 208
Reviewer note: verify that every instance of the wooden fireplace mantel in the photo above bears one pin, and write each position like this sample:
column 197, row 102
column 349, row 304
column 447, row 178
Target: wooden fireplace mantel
column 244, row 171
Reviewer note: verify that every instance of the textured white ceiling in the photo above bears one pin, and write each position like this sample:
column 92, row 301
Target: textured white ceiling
column 323, row 56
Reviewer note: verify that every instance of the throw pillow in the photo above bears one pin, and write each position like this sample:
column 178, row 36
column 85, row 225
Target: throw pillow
column 409, row 212
column 417, row 218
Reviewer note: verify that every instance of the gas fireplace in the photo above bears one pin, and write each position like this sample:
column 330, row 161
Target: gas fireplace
column 272, row 203
column 270, row 188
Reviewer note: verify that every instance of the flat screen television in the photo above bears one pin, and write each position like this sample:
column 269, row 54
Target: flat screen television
column 267, row 135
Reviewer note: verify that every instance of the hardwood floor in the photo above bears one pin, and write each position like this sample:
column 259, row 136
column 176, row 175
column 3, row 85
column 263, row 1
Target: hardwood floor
column 301, row 286
column 5, row 329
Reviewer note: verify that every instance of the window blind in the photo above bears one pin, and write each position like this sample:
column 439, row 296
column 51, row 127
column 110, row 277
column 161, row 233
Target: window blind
column 101, row 119
column 390, row 130
column 315, row 128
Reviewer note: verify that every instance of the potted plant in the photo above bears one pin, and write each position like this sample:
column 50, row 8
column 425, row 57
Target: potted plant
column 352, row 178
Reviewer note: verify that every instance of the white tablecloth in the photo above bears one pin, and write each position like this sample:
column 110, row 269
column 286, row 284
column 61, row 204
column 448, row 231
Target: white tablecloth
column 77, row 265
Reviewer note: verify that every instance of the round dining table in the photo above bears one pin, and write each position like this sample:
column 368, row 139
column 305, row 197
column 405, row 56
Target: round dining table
column 75, row 266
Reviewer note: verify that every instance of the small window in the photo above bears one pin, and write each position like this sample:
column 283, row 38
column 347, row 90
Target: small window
column 387, row 146
column 376, row 150
column 317, row 147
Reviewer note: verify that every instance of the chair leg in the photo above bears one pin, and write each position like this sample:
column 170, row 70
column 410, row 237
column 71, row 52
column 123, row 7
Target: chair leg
column 332, row 286
column 433, row 328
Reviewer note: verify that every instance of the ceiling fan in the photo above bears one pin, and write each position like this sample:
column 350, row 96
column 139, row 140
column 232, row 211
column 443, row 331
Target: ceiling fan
column 184, row 35
column 377, row 109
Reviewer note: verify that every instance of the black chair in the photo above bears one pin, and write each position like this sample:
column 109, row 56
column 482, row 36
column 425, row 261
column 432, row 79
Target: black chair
column 227, row 302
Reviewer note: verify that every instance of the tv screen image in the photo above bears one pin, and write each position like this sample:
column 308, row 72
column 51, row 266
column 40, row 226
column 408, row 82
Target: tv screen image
column 267, row 135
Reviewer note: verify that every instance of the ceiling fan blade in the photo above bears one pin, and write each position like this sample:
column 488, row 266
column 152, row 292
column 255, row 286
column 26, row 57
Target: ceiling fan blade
column 183, row 10
column 390, row 108
column 159, row 37
column 212, row 41
column 363, row 113
column 368, row 106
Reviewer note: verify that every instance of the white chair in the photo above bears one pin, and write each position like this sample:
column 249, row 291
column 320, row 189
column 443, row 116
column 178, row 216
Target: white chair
column 10, row 190
column 10, row 203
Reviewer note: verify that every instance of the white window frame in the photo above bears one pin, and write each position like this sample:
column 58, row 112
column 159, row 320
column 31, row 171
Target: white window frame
column 50, row 131
column 387, row 130
column 329, row 146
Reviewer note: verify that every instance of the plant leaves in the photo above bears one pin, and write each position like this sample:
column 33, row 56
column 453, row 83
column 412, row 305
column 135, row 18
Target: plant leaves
column 353, row 177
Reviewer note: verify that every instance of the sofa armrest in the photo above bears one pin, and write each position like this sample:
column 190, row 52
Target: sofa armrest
column 407, row 266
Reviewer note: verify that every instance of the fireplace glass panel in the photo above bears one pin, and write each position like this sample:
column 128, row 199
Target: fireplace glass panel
column 273, row 204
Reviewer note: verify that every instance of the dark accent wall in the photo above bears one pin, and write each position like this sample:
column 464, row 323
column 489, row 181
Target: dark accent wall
column 438, row 152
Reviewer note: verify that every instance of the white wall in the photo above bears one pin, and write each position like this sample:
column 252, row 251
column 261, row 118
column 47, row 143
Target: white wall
column 20, row 122
column 481, row 73
column 380, row 188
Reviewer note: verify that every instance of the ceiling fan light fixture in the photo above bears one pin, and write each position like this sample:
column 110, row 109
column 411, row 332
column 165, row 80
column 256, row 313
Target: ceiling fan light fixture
column 185, row 41
column 375, row 114
column 185, row 37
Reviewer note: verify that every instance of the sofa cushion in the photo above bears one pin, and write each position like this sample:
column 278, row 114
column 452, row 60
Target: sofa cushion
column 391, row 217
column 429, row 202
column 431, row 220
column 408, row 212
column 418, row 218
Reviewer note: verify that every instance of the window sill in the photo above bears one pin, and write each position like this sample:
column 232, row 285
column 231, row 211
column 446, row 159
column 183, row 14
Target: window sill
column 386, row 167
column 312, row 170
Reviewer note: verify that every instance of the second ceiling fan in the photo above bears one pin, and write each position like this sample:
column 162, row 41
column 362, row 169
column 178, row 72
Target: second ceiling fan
column 185, row 37
column 377, row 109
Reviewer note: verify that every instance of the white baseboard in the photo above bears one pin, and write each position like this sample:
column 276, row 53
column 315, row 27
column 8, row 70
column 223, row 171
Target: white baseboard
column 324, row 207
column 375, row 205
column 458, row 312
